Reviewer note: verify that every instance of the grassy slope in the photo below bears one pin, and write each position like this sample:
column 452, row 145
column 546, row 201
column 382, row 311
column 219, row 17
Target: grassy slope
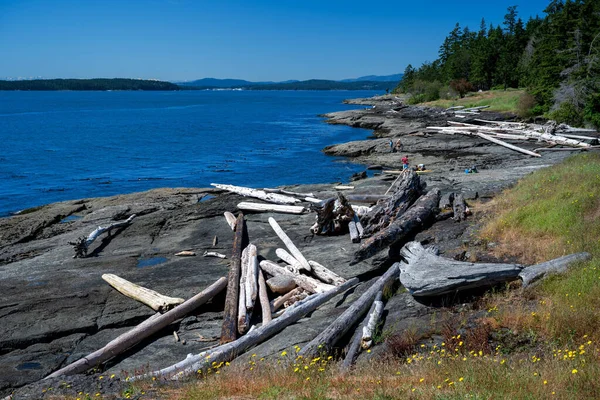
column 498, row 100
column 537, row 344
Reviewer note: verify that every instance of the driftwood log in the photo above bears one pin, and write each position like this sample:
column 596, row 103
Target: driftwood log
column 230, row 314
column 426, row 274
column 149, row 297
column 324, row 274
column 325, row 341
column 82, row 245
column 414, row 218
column 333, row 216
column 213, row 254
column 369, row 329
column 288, row 192
column 289, row 244
column 257, row 193
column 406, row 191
column 355, row 343
column 446, row 201
column 231, row 220
column 556, row 266
column 229, row 351
column 280, row 301
column 294, row 265
column 265, row 307
column 260, row 207
column 307, row 283
column 243, row 317
column 142, row 331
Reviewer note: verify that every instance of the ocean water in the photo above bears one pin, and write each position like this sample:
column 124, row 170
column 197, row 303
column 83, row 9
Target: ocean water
column 58, row 146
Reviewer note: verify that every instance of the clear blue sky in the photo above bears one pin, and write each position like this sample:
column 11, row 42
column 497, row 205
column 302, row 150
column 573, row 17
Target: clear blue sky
column 254, row 39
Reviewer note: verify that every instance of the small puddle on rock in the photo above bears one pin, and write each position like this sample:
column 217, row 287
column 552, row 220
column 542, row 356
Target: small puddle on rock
column 149, row 262
column 29, row 365
column 206, row 198
column 70, row 218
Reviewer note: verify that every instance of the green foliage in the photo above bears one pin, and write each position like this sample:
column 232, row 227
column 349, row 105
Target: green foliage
column 526, row 105
column 567, row 113
column 592, row 110
column 422, row 91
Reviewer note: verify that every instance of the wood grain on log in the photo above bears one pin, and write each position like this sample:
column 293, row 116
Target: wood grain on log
column 259, row 207
column 259, row 194
column 279, row 301
column 325, row 341
column 556, row 266
column 459, row 206
column 230, row 313
column 149, row 297
column 369, row 330
column 294, row 265
column 289, row 244
column 142, row 331
column 326, row 275
column 414, row 218
column 243, row 318
column 307, row 283
column 426, row 274
column 264, row 298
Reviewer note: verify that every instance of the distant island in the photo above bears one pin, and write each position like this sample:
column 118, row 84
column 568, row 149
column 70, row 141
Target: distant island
column 371, row 82
column 87, row 84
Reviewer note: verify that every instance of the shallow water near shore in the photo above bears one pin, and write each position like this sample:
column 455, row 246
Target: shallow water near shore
column 69, row 145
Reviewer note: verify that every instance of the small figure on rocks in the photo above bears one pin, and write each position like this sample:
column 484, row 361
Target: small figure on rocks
column 405, row 162
column 392, row 150
column 398, row 147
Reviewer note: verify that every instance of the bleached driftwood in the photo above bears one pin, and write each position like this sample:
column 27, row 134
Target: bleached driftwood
column 230, row 218
column 213, row 254
column 355, row 343
column 229, row 327
column 359, row 226
column 325, row 274
column 307, row 283
column 343, row 187
column 507, row 145
column 243, row 317
column 361, row 210
column 426, row 274
column 369, row 330
column 289, row 244
column 354, row 235
column 229, row 351
column 288, row 192
column 142, row 331
column 264, row 298
column 82, row 245
column 415, row 217
column 556, row 266
column 251, row 278
column 279, row 301
column 149, row 297
column 294, row 265
column 257, row 193
column 312, row 200
column 259, row 207
column 325, row 341
column 186, row 253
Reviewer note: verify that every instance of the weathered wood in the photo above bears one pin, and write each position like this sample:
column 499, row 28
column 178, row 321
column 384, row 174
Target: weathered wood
column 149, row 297
column 294, row 265
column 186, row 253
column 355, row 342
column 354, row 235
column 258, row 207
column 312, row 200
column 361, row 210
column 446, row 200
column 369, row 330
column 307, row 283
column 279, row 301
column 325, row 274
column 281, row 191
column 556, row 266
column 414, row 218
column 229, row 351
column 325, row 341
column 333, row 216
column 230, row 314
column 507, row 145
column 147, row 328
column 251, row 278
column 365, row 198
column 407, row 190
column 343, row 187
column 289, row 244
column 82, row 245
column 561, row 149
column 426, row 274
column 459, row 207
column 243, row 321
column 359, row 226
column 265, row 307
column 213, row 254
column 257, row 193
column 231, row 220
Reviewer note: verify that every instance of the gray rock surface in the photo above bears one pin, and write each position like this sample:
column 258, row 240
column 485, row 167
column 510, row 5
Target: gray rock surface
column 281, row 284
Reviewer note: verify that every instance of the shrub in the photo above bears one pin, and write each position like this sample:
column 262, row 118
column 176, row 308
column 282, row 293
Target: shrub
column 461, row 86
column 526, row 105
column 422, row 91
column 592, row 110
column 567, row 113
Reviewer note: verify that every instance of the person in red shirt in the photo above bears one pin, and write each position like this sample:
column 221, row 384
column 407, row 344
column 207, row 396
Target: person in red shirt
column 405, row 162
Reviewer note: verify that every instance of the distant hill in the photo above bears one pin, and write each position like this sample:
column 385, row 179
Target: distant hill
column 376, row 78
column 218, row 83
column 320, row 84
column 87, row 84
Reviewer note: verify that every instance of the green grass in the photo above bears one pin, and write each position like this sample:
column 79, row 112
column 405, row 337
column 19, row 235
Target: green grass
column 498, row 100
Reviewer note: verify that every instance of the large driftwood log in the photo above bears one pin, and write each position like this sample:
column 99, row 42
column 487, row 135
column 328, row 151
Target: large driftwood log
column 243, row 317
column 333, row 216
column 251, row 278
column 406, row 191
column 426, row 274
column 230, row 314
column 294, row 265
column 414, row 218
column 307, row 283
column 325, row 341
column 229, row 351
column 142, row 331
column 257, row 193
column 289, row 244
column 355, row 343
column 446, row 201
column 149, row 297
column 259, row 207
column 265, row 307
column 369, row 330
column 82, row 245
column 507, row 145
column 556, row 266
column 325, row 274
column 278, row 302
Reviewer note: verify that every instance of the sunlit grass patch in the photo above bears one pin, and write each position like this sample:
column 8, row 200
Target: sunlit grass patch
column 498, row 100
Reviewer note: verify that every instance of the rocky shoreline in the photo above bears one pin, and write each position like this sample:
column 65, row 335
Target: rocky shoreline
column 54, row 309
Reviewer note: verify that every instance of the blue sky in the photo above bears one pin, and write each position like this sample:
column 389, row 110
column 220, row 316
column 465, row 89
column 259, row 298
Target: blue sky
column 253, row 40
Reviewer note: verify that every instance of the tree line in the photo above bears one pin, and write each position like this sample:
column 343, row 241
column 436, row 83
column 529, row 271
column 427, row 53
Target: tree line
column 556, row 58
column 87, row 84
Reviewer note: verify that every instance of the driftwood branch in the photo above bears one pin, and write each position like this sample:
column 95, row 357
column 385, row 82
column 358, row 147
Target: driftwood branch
column 325, row 341
column 307, row 283
column 259, row 207
column 82, row 245
column 142, row 331
column 556, row 266
column 369, row 330
column 257, row 193
column 325, row 274
column 289, row 244
column 149, row 297
column 264, row 298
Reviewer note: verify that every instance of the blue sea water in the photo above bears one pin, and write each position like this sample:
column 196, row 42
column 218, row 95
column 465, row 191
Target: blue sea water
column 68, row 145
